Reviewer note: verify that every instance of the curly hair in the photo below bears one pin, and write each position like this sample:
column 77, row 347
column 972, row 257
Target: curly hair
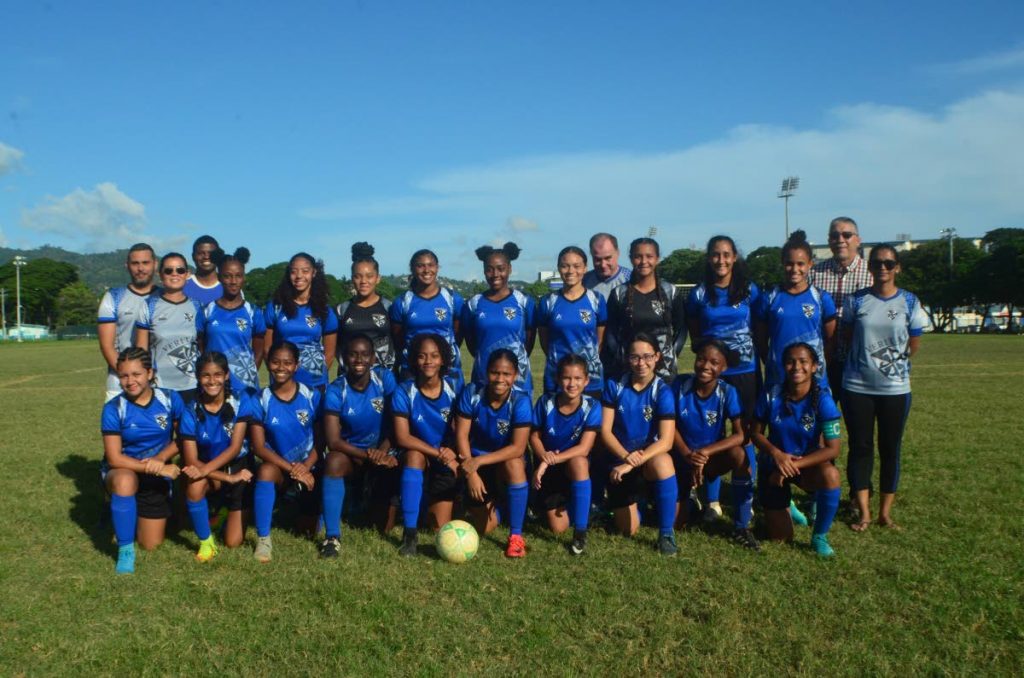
column 509, row 250
column 284, row 295
column 443, row 347
column 220, row 258
column 362, row 252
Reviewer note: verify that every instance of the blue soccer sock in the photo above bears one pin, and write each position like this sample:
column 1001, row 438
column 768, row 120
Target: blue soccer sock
column 517, row 495
column 123, row 515
column 412, row 494
column 200, row 513
column 713, row 489
column 333, row 499
column 667, row 494
column 826, row 504
column 743, row 499
column 579, row 506
column 263, row 498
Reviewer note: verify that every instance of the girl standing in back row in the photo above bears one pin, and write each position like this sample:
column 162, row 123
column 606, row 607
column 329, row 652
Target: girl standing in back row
column 367, row 312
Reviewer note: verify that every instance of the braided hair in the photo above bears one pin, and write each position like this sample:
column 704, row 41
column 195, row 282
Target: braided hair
column 739, row 284
column 227, row 412
column 284, row 295
column 815, row 391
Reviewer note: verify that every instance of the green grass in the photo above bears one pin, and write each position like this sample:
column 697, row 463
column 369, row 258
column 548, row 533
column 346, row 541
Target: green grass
column 941, row 597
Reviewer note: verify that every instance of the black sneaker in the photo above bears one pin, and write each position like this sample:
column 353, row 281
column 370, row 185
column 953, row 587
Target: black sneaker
column 409, row 543
column 746, row 539
column 579, row 543
column 330, row 547
column 667, row 545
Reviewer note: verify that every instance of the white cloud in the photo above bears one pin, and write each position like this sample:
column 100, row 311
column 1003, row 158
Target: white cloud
column 519, row 224
column 989, row 63
column 103, row 218
column 10, row 158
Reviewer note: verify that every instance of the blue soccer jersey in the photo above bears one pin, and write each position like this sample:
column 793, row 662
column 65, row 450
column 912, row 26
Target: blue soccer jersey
column 702, row 421
column 436, row 315
column 795, row 426
column 559, row 432
column 491, row 325
column 174, row 331
column 212, row 435
column 572, row 328
column 731, row 323
column 361, row 413
column 307, row 332
column 878, row 361
column 794, row 319
column 491, row 428
column 429, row 418
column 230, row 331
column 144, row 430
column 202, row 294
column 637, row 413
column 289, row 425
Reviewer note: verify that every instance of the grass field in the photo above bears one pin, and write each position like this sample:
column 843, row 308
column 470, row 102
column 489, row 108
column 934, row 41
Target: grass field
column 944, row 596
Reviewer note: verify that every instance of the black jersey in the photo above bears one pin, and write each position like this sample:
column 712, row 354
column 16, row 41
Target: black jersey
column 658, row 313
column 373, row 321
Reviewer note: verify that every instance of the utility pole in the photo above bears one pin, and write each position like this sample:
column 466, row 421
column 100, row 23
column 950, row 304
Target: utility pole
column 3, row 312
column 789, row 186
column 18, row 263
column 949, row 233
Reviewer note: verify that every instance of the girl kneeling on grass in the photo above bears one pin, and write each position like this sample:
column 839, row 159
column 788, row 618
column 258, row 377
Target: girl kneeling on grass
column 357, row 439
column 492, row 425
column 138, row 428
column 797, row 415
column 637, row 428
column 703, row 451
column 422, row 408
column 565, row 427
column 283, row 438
column 216, row 452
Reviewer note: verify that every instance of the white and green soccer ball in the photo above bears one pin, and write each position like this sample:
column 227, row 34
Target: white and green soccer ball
column 457, row 541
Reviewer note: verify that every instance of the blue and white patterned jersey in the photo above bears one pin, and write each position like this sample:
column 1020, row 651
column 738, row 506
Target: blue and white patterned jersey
column 436, row 315
column 211, row 435
column 174, row 331
column 572, row 328
column 122, row 306
column 230, row 331
column 144, row 430
column 559, row 432
column 307, row 332
column 361, row 414
column 794, row 319
column 499, row 324
column 702, row 421
column 289, row 425
column 731, row 323
column 795, row 426
column 638, row 413
column 878, row 361
column 605, row 287
column 429, row 418
column 490, row 428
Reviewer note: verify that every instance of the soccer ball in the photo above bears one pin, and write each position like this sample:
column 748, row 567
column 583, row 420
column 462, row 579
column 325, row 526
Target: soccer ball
column 457, row 541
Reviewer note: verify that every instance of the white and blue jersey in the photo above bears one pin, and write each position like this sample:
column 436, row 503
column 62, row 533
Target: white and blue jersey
column 491, row 325
column 637, row 413
column 794, row 319
column 174, row 331
column 491, row 429
column 878, row 361
column 212, row 435
column 429, row 418
column 572, row 328
column 144, row 430
column 702, row 421
column 231, row 331
column 559, row 432
column 730, row 323
column 795, row 426
column 289, row 425
column 605, row 287
column 420, row 315
column 122, row 306
column 361, row 413
column 307, row 332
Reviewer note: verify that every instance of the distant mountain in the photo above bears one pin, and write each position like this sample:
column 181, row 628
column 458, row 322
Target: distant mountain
column 98, row 271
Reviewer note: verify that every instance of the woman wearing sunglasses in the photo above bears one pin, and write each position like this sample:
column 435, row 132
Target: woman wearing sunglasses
column 882, row 326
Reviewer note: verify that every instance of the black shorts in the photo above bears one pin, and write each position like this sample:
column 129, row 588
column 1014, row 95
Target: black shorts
column 631, row 490
column 772, row 498
column 441, row 484
column 555, row 488
column 233, row 496
column 384, row 485
column 492, row 482
column 153, row 498
column 746, row 386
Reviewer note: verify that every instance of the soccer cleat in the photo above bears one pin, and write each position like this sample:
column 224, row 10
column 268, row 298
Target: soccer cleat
column 696, row 508
column 330, row 547
column 125, row 559
column 667, row 545
column 516, row 546
column 579, row 543
column 264, row 549
column 712, row 512
column 745, row 538
column 819, row 542
column 207, row 550
column 409, row 543
column 797, row 515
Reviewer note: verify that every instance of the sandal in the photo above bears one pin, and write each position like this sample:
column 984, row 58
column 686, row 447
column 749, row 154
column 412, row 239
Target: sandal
column 860, row 526
column 889, row 524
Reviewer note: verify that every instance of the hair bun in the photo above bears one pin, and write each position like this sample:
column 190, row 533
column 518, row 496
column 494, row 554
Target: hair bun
column 242, row 254
column 362, row 251
column 217, row 256
column 511, row 250
column 483, row 252
column 797, row 237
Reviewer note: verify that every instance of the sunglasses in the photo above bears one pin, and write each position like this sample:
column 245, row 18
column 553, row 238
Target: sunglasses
column 180, row 270
column 845, row 235
column 637, row 358
column 879, row 264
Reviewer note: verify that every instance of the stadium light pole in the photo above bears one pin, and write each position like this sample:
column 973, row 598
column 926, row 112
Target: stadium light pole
column 652, row 231
column 3, row 312
column 949, row 233
column 18, row 263
column 789, row 186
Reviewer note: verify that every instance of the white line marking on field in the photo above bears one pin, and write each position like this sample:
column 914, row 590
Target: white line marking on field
column 22, row 380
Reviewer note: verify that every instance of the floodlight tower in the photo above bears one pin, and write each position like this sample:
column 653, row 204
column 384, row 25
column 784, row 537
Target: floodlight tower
column 652, row 231
column 789, row 186
column 949, row 233
column 18, row 263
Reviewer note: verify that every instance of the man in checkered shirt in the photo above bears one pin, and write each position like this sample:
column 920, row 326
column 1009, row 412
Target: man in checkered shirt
column 842, row 275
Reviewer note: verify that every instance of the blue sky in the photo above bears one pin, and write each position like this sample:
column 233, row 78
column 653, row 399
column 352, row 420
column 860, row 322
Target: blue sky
column 453, row 124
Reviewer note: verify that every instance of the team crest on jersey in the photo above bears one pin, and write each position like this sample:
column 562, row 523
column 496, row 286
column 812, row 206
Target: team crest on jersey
column 890, row 362
column 577, row 432
column 511, row 312
column 445, row 413
column 189, row 317
column 161, row 420
column 657, row 307
column 242, row 323
column 585, row 316
column 502, row 426
column 303, row 416
column 441, row 314
column 229, row 428
column 808, row 310
column 648, row 413
column 892, row 314
column 711, row 417
column 807, row 421
column 310, row 321
column 377, row 404
column 379, row 319
column 184, row 358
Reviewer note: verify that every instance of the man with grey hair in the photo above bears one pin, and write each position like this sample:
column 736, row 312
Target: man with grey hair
column 606, row 274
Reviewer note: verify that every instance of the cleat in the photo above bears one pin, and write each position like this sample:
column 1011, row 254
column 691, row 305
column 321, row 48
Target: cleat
column 819, row 542
column 264, row 549
column 745, row 538
column 516, row 546
column 330, row 547
column 410, row 542
column 667, row 545
column 797, row 515
column 579, row 543
column 125, row 559
column 712, row 512
column 207, row 550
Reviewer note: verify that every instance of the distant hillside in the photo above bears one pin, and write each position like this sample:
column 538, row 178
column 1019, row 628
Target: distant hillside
column 98, row 271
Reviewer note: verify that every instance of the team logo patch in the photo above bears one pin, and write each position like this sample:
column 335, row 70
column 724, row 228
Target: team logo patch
column 577, row 432
column 711, row 417
column 648, row 413
column 184, row 358
column 229, row 428
column 657, row 307
column 511, row 312
column 161, row 421
column 378, row 319
column 310, row 321
column 303, row 416
column 808, row 310
column 585, row 316
column 189, row 317
column 445, row 413
column 377, row 404
column 807, row 421
column 502, row 426
column 441, row 314
column 892, row 314
column 890, row 362
column 242, row 323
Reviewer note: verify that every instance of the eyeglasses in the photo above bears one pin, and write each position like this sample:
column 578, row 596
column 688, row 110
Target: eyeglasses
column 636, row 358
column 879, row 264
column 180, row 270
column 845, row 235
